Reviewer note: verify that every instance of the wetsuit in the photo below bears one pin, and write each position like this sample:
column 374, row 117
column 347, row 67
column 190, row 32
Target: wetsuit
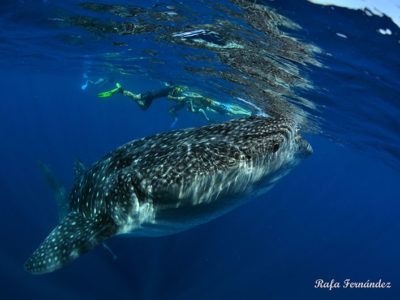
column 147, row 98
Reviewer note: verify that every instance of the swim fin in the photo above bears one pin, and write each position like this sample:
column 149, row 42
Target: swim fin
column 106, row 94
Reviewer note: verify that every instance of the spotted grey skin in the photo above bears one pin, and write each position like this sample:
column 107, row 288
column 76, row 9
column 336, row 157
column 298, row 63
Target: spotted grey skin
column 170, row 182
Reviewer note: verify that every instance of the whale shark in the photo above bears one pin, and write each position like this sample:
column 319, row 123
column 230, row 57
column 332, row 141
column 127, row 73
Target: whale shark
column 170, row 182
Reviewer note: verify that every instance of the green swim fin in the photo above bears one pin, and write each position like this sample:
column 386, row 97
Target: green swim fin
column 106, row 94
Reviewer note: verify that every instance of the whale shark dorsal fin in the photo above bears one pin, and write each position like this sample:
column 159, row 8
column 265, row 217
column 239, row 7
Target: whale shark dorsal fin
column 79, row 168
column 59, row 191
column 74, row 236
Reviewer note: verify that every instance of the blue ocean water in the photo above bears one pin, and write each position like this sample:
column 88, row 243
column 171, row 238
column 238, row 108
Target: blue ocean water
column 335, row 216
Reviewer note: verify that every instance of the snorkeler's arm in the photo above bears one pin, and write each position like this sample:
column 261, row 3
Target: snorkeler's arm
column 204, row 114
column 179, row 98
column 191, row 106
column 176, row 93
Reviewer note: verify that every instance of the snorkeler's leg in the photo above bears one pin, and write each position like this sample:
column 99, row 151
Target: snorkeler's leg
column 230, row 109
column 236, row 110
column 146, row 99
column 144, row 102
column 98, row 81
column 85, row 85
column 173, row 111
column 85, row 82
column 133, row 96
column 140, row 99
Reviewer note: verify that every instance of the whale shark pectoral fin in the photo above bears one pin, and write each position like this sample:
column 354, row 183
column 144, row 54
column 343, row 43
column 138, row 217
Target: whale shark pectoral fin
column 79, row 168
column 58, row 190
column 74, row 236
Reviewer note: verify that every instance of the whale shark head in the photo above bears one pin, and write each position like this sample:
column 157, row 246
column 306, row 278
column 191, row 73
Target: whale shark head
column 287, row 148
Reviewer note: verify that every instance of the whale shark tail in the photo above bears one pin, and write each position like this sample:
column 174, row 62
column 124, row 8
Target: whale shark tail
column 74, row 236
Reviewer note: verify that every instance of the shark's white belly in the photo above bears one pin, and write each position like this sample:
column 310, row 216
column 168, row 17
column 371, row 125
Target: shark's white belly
column 205, row 198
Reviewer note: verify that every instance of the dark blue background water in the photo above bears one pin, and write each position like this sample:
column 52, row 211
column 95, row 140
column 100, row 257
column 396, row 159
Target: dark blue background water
column 335, row 216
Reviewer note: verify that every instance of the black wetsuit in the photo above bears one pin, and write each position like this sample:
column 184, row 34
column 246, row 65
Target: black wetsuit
column 147, row 98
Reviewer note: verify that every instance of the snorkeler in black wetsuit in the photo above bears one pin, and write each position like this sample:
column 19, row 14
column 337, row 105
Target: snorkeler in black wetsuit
column 181, row 95
column 146, row 99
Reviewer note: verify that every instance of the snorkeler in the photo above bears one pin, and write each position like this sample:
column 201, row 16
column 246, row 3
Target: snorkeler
column 87, row 82
column 182, row 97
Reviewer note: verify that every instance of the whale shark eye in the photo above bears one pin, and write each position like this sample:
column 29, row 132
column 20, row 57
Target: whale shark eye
column 275, row 147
